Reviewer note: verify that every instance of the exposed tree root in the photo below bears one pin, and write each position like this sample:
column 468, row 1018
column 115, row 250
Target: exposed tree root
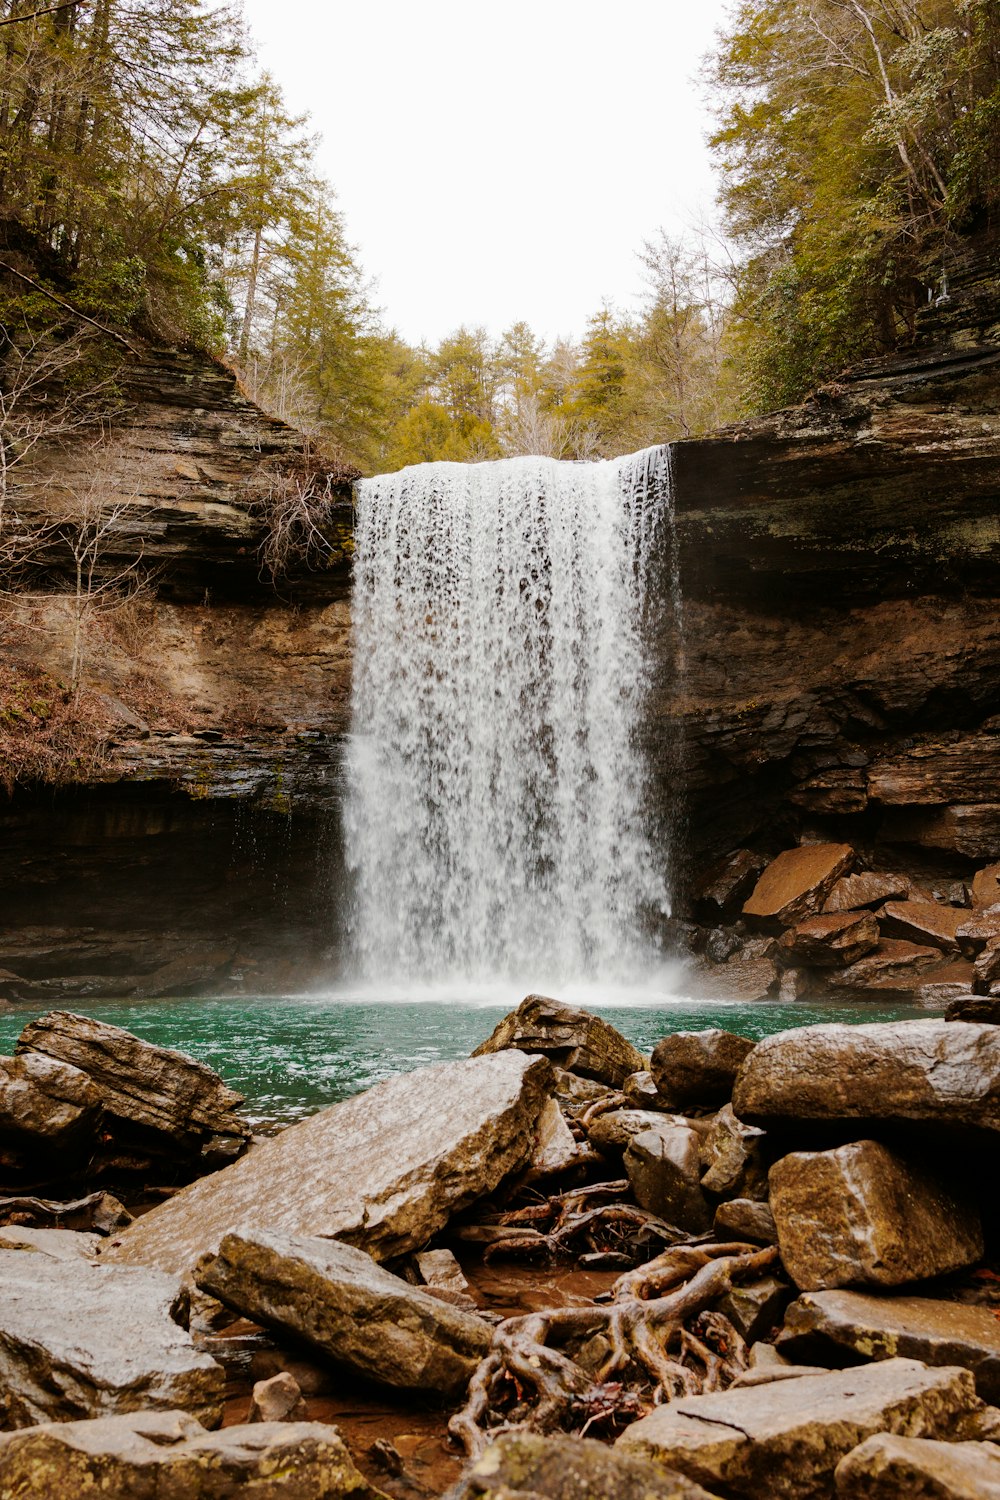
column 657, row 1334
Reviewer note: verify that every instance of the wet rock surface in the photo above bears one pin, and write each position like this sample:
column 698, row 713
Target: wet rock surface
column 664, row 1168
column 384, row 1170
column 169, row 1454
column 786, row 1438
column 698, row 1067
column 887, row 1467
column 797, row 883
column 573, row 1039
column 846, row 1326
column 566, row 1468
column 48, row 1103
column 344, row 1304
column 80, row 1340
column 832, row 940
column 863, row 1215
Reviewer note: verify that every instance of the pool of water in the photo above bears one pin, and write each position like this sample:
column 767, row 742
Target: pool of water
column 290, row 1056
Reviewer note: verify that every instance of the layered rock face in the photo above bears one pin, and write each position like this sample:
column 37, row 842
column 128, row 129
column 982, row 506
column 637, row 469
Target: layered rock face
column 836, row 678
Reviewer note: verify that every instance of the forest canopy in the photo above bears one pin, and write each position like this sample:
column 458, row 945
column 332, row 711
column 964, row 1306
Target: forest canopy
column 153, row 179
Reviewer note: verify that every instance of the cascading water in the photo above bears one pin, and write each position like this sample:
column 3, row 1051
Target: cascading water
column 496, row 819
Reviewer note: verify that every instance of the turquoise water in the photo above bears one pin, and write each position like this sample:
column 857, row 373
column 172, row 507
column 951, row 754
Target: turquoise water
column 290, row 1056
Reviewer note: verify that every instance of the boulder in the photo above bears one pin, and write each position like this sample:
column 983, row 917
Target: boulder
column 891, row 965
column 742, row 1219
column 924, row 922
column 278, row 1399
column 384, row 1170
column 887, row 1467
column 725, row 885
column 341, row 1302
column 986, row 970
column 797, row 883
column 831, row 941
column 152, row 1096
column 866, row 889
column 612, row 1132
column 979, row 928
column 756, row 1307
column 698, row 1067
column 844, row 1327
column 785, row 1438
column 912, row 1075
column 664, row 1168
column 984, row 1010
column 863, row 1215
column 96, row 1340
column 640, row 1090
column 170, row 1456
column 750, row 972
column 526, row 1466
column 574, row 1039
column 48, row 1105
column 556, row 1148
column 985, row 889
column 731, row 1158
column 57, row 1244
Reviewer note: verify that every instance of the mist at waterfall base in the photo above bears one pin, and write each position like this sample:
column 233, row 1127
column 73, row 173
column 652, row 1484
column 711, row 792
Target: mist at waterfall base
column 497, row 820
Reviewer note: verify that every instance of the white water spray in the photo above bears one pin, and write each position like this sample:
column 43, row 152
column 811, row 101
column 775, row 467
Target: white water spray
column 496, row 818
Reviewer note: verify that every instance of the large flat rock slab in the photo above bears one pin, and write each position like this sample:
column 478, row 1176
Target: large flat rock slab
column 383, row 1171
column 863, row 1215
column 916, row 1074
column 169, row 1456
column 797, row 883
column 785, row 1439
column 846, row 1326
column 908, row 1468
column 87, row 1341
column 349, row 1307
column 574, row 1039
column 527, row 1466
column 151, row 1090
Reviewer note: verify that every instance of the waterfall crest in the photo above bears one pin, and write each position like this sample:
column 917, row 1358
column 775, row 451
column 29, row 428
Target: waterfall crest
column 496, row 794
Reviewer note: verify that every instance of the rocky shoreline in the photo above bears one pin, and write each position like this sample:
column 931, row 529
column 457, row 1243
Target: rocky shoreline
column 557, row 1269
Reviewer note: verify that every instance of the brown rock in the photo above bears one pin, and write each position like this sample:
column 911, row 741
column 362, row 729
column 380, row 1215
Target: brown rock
column 755, row 1308
column 831, row 941
column 986, row 970
column 46, row 1103
column 664, row 1167
column 527, row 1466
column 749, row 973
column 341, row 1302
column 148, row 1092
column 278, row 1399
column 982, row 1010
column 890, row 965
column 744, row 1219
column 980, row 927
column 985, row 888
column 785, row 1438
column 887, row 1467
column 914, row 1074
column 614, row 1130
column 698, row 1067
column 731, row 1158
column 842, row 1327
column 384, row 1170
column 640, row 1091
column 863, row 1215
column 924, row 922
column 866, row 889
column 573, row 1039
column 170, row 1456
column 727, row 883
column 797, row 883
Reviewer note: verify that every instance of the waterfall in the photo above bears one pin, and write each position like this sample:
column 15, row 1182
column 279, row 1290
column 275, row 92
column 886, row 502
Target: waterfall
column 496, row 818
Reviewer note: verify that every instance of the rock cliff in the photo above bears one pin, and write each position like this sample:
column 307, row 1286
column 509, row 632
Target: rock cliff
column 836, row 676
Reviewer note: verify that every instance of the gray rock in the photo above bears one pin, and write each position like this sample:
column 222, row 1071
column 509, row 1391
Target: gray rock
column 732, row 1158
column 887, row 1467
column 640, row 1091
column 916, row 1074
column 556, row 1148
column 756, row 1307
column 343, row 1303
column 525, row 1466
column 698, row 1067
column 384, row 1170
column 58, row 1244
column 664, row 1168
column 614, row 1130
column 574, row 1039
column 278, row 1399
column 785, row 1439
column 863, row 1215
column 843, row 1327
column 95, row 1341
column 148, row 1093
column 743, row 1219
column 169, row 1456
column 47, row 1104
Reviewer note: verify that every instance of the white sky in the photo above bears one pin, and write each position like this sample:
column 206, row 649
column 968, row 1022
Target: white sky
column 505, row 161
